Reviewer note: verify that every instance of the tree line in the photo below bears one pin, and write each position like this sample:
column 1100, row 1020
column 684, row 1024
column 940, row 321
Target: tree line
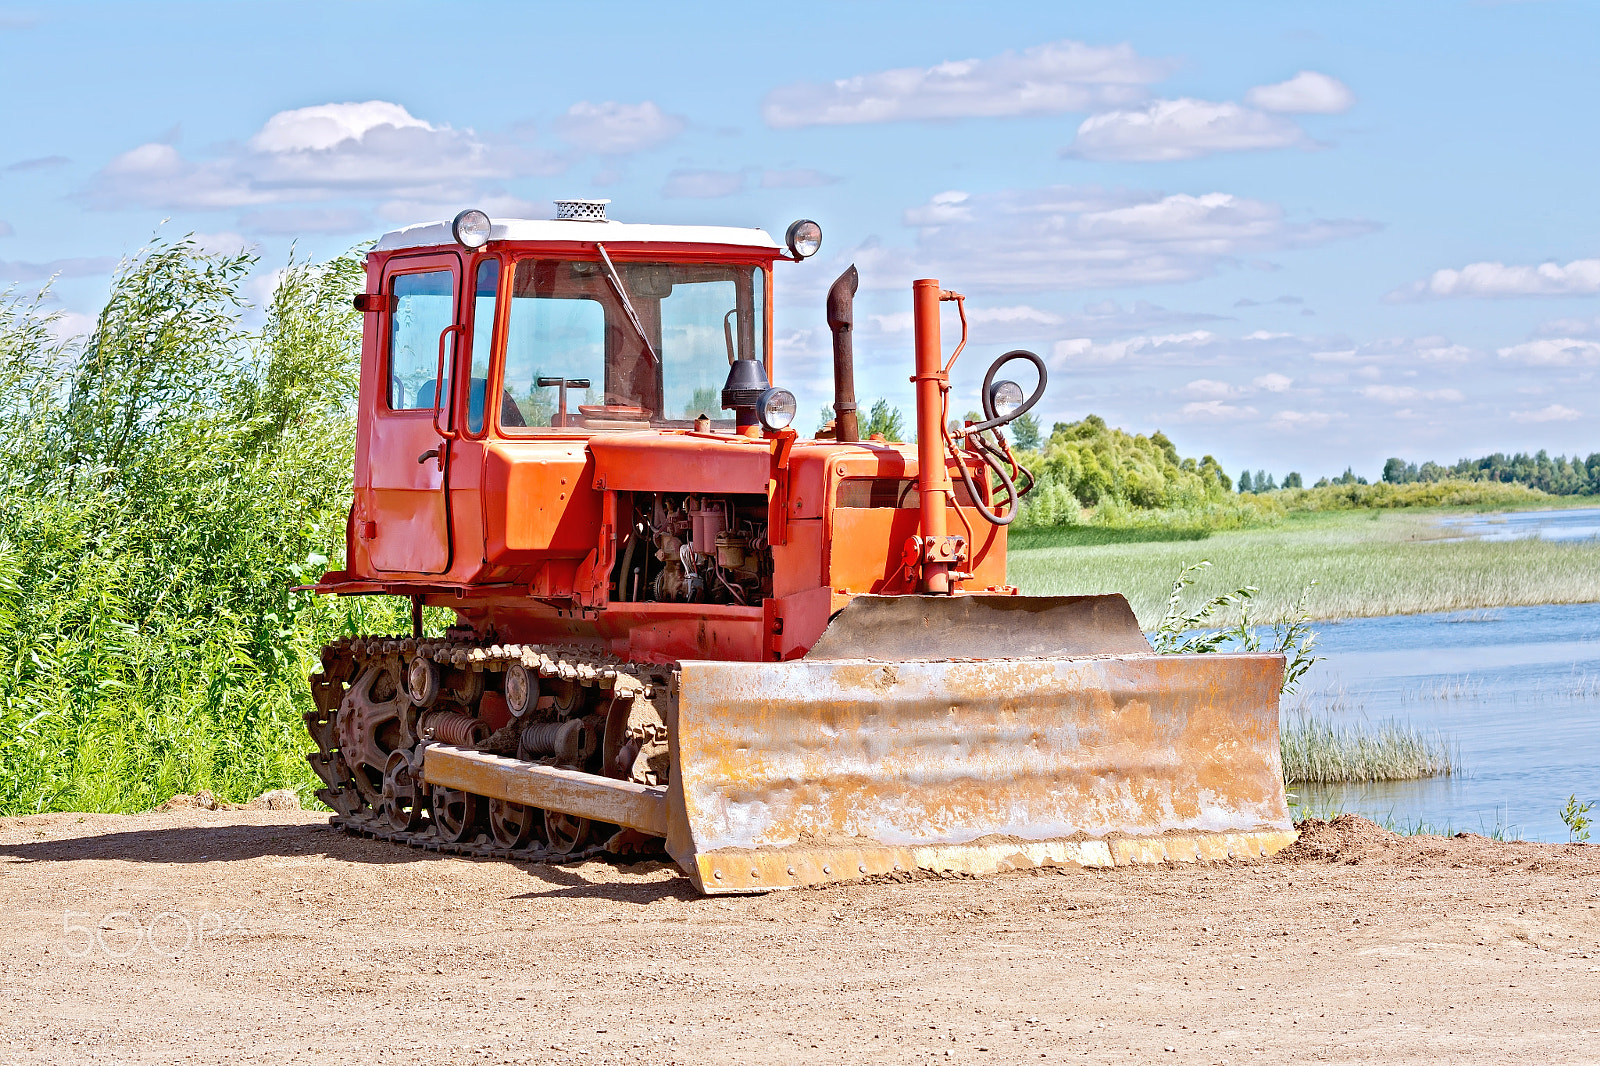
column 1561, row 476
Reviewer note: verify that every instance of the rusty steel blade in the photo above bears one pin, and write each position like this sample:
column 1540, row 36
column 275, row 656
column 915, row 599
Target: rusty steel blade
column 810, row 771
column 894, row 628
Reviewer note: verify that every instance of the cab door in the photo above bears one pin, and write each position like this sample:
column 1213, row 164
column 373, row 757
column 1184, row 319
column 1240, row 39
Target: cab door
column 409, row 446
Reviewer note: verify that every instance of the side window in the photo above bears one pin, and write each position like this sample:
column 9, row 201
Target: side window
column 482, row 342
column 424, row 308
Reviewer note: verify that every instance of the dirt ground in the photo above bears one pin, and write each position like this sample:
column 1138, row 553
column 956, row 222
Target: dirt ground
column 195, row 936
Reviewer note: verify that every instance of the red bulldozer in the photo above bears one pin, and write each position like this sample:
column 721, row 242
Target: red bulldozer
column 679, row 625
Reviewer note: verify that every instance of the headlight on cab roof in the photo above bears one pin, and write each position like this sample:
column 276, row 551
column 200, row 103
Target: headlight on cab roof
column 804, row 238
column 471, row 228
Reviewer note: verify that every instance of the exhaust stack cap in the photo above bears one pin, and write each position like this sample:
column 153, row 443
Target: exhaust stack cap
column 581, row 210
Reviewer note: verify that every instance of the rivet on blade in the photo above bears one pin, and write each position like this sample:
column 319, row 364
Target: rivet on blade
column 717, row 874
column 862, row 867
column 755, row 873
column 791, row 871
column 827, row 869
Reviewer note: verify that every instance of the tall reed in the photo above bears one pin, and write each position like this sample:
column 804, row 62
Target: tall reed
column 1318, row 750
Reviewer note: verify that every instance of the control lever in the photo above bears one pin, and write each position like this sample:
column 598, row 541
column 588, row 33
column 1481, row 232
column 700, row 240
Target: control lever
column 563, row 384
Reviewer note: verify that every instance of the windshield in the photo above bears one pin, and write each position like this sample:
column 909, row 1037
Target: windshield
column 574, row 358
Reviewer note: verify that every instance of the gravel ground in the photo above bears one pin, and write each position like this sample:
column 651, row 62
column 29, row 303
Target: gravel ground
column 259, row 936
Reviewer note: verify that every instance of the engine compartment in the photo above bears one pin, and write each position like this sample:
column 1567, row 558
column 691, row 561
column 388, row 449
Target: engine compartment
column 694, row 548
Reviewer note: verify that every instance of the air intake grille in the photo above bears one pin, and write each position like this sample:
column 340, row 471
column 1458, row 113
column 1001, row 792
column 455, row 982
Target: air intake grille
column 581, row 210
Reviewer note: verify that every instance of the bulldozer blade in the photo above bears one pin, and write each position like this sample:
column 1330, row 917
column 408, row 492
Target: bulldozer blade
column 807, row 772
column 895, row 628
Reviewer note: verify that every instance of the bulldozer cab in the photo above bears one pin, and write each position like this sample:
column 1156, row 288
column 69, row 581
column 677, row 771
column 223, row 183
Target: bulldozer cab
column 560, row 329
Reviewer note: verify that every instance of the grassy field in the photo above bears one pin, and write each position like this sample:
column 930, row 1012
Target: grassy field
column 1366, row 563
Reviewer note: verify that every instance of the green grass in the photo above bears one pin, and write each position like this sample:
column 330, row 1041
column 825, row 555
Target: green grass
column 1366, row 563
column 1318, row 750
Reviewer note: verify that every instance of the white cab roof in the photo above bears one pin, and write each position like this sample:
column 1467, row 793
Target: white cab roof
column 432, row 234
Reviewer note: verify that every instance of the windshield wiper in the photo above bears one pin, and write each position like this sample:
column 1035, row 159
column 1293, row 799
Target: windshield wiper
column 627, row 304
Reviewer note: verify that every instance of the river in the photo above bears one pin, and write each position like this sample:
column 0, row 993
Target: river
column 1517, row 689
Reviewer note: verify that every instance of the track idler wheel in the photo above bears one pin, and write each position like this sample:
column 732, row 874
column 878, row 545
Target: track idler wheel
column 422, row 678
column 456, row 814
column 512, row 825
column 566, row 833
column 522, row 689
column 404, row 796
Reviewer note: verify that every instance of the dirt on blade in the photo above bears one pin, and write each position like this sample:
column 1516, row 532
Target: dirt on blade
column 260, row 936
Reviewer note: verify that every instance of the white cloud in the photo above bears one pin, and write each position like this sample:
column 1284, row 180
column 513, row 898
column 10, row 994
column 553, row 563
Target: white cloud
column 1581, row 277
column 941, row 209
column 1082, row 351
column 1554, row 351
column 1018, row 315
column 1169, row 130
column 1108, row 318
column 224, row 243
column 497, row 203
column 612, row 128
column 1444, row 353
column 260, row 286
column 75, row 267
column 1047, row 79
column 329, row 151
column 1273, row 382
column 47, row 162
column 1399, row 394
column 1214, row 411
column 1553, row 413
column 1208, row 389
column 703, row 184
column 803, row 178
column 69, row 325
column 1569, row 327
column 1065, row 237
column 325, row 126
column 1293, row 420
column 293, row 222
column 1307, row 93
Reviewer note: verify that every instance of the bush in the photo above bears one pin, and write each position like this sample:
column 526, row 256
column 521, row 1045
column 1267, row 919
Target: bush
column 1090, row 474
column 166, row 481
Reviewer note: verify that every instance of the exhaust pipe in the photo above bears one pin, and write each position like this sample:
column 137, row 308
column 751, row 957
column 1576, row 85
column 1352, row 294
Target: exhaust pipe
column 841, row 320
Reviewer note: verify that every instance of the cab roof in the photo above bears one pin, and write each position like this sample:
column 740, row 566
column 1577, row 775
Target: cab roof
column 434, row 234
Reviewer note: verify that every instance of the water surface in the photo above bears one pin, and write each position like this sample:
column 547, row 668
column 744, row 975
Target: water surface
column 1579, row 523
column 1517, row 689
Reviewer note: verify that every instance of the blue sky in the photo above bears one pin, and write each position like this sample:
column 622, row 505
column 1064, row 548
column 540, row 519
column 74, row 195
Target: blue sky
column 1296, row 236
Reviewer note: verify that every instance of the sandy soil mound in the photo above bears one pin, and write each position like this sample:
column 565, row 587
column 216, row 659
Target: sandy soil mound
column 1350, row 840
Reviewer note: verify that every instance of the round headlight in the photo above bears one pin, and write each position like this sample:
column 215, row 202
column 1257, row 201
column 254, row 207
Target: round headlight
column 1005, row 397
column 471, row 228
column 776, row 408
column 804, row 238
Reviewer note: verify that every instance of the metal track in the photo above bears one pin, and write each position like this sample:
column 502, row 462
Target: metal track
column 585, row 665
